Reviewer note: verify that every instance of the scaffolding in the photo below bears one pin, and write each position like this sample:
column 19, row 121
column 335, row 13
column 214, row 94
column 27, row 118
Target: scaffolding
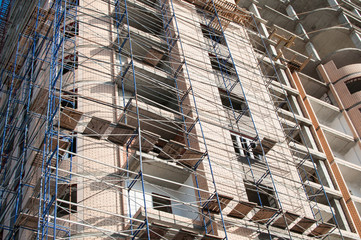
column 107, row 130
column 5, row 7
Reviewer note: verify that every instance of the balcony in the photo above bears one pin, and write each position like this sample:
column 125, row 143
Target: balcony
column 339, row 142
column 166, row 225
column 315, row 88
column 301, row 6
column 153, row 85
column 153, row 119
column 158, row 171
column 146, row 47
column 324, row 110
column 352, row 175
column 143, row 16
column 277, row 18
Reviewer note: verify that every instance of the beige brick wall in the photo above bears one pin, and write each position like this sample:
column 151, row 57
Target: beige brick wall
column 94, row 80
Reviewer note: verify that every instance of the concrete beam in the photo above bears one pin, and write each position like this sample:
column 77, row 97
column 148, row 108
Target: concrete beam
column 341, row 214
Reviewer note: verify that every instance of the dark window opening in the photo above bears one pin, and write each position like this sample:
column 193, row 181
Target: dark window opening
column 70, row 62
column 10, row 145
column 141, row 18
column 73, row 145
column 238, row 104
column 354, row 85
column 213, row 34
column 221, row 65
column 310, row 175
column 71, row 29
column 70, row 196
column 70, row 100
column 161, row 203
column 262, row 195
column 296, row 137
column 72, row 4
column 4, row 160
column 283, row 105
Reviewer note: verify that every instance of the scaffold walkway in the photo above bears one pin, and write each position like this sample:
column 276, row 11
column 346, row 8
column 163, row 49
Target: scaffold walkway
column 106, row 131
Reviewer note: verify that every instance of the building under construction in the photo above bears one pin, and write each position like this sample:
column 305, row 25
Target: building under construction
column 180, row 119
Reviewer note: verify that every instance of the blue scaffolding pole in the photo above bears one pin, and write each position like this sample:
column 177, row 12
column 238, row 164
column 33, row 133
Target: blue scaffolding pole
column 17, row 139
column 121, row 19
column 48, row 226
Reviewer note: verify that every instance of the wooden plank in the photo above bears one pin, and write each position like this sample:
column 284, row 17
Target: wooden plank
column 264, row 214
column 96, row 127
column 121, row 133
column 153, row 56
column 172, row 149
column 185, row 234
column 63, row 145
column 267, row 145
column 242, row 209
column 147, row 143
column 27, row 220
column 212, row 203
column 40, row 103
column 32, row 204
column 69, row 118
column 190, row 157
column 285, row 220
column 211, row 237
column 303, row 225
column 156, row 230
column 321, row 229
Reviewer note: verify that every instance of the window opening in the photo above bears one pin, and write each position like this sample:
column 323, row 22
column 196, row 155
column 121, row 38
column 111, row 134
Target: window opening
column 262, row 195
column 214, row 34
column 354, row 85
column 221, row 64
column 239, row 105
column 73, row 145
column 244, row 146
column 65, row 208
column 70, row 100
column 70, row 63
column 161, row 203
column 71, row 29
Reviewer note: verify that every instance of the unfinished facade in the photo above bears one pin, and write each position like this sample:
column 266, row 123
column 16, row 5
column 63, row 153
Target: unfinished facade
column 157, row 119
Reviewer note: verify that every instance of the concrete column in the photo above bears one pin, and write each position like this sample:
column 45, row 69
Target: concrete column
column 357, row 13
column 310, row 48
column 325, row 173
column 291, row 12
column 295, row 107
column 356, row 39
column 283, row 77
column 262, row 27
column 341, row 215
column 301, row 30
column 333, row 4
column 310, row 142
column 344, row 20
